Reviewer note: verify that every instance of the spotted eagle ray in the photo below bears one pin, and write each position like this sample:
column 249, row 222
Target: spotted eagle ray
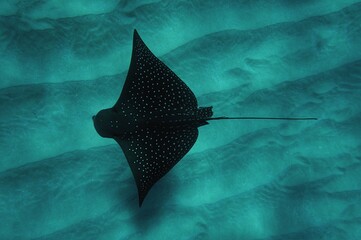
column 156, row 118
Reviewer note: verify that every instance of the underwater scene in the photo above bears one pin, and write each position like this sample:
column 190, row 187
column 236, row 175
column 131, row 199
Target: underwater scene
column 61, row 62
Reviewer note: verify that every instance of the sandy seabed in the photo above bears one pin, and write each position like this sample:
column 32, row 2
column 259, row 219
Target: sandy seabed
column 61, row 63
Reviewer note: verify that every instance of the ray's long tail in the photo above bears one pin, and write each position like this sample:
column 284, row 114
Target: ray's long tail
column 262, row 118
column 206, row 113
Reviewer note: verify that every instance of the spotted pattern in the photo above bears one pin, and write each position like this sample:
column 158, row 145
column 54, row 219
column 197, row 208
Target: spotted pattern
column 152, row 89
column 162, row 118
column 152, row 152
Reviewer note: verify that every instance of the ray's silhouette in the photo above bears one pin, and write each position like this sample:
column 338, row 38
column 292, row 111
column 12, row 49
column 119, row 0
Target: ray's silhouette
column 156, row 118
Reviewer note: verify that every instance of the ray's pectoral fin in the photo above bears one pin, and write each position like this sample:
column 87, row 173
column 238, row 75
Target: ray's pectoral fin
column 152, row 88
column 151, row 153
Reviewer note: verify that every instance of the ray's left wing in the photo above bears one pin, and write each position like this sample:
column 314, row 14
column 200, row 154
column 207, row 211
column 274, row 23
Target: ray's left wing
column 152, row 88
column 151, row 153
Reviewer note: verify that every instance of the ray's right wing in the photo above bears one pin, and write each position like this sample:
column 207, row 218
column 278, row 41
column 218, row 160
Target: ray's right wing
column 151, row 153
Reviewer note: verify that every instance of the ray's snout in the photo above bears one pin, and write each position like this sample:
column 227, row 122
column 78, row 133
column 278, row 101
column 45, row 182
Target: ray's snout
column 103, row 123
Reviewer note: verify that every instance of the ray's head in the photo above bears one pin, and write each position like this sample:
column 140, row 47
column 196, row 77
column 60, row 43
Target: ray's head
column 102, row 123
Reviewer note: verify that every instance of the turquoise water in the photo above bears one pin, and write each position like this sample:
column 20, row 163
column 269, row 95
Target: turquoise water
column 60, row 63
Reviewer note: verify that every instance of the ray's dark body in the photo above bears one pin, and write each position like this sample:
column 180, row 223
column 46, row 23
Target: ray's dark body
column 155, row 119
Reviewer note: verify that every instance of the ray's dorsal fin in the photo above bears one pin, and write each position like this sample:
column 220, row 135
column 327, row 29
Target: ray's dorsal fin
column 152, row 153
column 151, row 88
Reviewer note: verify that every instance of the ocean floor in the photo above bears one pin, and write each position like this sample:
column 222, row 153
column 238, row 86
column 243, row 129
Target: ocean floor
column 251, row 179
